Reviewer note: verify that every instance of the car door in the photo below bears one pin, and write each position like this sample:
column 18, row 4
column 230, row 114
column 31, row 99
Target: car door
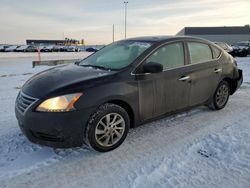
column 205, row 71
column 167, row 91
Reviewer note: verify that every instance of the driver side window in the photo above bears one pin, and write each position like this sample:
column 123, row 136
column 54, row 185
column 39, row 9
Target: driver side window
column 170, row 56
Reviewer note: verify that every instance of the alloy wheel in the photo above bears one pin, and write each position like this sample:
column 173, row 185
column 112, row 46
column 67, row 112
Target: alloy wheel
column 222, row 95
column 109, row 129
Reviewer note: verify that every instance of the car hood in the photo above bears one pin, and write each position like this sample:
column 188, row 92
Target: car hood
column 64, row 78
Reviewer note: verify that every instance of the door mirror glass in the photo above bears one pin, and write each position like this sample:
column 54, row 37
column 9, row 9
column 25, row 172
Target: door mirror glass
column 152, row 67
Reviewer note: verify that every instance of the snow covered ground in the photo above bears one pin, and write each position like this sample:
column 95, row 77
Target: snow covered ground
column 198, row 148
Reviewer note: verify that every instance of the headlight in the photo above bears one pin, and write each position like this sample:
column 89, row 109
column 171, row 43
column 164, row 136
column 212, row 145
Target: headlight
column 63, row 103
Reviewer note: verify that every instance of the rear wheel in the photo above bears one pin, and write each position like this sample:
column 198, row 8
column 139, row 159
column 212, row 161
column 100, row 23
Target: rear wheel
column 107, row 128
column 220, row 97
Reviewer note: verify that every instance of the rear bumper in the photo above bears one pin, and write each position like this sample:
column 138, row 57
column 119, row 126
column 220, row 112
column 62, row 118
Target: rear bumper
column 240, row 79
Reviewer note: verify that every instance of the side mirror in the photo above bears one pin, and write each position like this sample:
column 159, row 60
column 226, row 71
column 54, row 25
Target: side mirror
column 152, row 67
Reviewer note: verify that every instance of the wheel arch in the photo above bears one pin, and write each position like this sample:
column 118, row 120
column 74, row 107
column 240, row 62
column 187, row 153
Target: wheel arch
column 232, row 84
column 126, row 107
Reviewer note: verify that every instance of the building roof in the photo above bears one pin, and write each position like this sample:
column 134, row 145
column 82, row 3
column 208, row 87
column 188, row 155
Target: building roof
column 245, row 30
column 161, row 38
column 35, row 40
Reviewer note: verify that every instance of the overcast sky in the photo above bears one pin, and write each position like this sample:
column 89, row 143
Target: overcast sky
column 93, row 19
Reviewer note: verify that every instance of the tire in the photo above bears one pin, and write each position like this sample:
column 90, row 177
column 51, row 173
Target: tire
column 98, row 130
column 220, row 97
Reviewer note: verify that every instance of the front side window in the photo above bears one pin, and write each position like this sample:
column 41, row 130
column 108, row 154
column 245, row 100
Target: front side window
column 170, row 56
column 199, row 52
column 116, row 55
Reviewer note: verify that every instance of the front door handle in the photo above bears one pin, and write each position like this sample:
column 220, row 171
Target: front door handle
column 217, row 70
column 184, row 78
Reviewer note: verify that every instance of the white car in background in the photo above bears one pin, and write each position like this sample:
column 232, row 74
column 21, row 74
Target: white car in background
column 21, row 48
column 11, row 48
column 71, row 49
column 3, row 47
column 56, row 48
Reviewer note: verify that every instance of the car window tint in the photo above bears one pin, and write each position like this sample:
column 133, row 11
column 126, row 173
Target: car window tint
column 199, row 52
column 170, row 56
column 216, row 52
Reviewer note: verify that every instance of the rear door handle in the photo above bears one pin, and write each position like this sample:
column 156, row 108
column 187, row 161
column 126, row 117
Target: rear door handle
column 217, row 70
column 184, row 78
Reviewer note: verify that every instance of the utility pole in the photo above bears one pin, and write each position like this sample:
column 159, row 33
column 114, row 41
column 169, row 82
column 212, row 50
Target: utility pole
column 125, row 3
column 113, row 32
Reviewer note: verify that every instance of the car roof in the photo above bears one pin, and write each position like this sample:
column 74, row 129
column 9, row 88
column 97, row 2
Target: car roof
column 13, row 46
column 165, row 38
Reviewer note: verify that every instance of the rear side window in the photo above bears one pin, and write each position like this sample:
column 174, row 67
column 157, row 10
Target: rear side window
column 199, row 52
column 170, row 56
column 216, row 52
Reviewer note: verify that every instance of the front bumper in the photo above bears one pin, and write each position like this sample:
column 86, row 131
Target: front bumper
column 59, row 130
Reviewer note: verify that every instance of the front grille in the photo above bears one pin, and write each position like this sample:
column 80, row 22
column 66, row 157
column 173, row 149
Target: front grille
column 46, row 137
column 24, row 101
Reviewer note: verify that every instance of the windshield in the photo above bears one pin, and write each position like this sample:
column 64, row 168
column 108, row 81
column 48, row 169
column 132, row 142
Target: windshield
column 116, row 55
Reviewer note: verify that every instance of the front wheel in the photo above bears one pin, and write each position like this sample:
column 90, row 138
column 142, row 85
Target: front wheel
column 220, row 97
column 107, row 128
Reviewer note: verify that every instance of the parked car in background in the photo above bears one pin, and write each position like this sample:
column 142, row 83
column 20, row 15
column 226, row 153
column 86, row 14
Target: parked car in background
column 62, row 48
column 11, row 48
column 242, row 48
column 229, row 49
column 91, row 49
column 71, row 49
column 21, row 48
column 47, row 48
column 125, row 84
column 3, row 47
column 59, row 48
column 56, row 48
column 31, row 48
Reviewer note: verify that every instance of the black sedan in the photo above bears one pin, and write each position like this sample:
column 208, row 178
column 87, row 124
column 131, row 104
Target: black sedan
column 91, row 50
column 125, row 84
column 242, row 49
